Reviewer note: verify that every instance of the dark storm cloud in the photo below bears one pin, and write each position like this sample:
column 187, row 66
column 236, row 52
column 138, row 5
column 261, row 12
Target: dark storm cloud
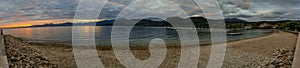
column 252, row 10
column 263, row 9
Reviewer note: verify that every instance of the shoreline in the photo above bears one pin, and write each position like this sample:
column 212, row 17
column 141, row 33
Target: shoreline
column 251, row 55
column 53, row 42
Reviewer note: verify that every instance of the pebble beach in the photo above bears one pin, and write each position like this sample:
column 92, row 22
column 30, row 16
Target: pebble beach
column 271, row 51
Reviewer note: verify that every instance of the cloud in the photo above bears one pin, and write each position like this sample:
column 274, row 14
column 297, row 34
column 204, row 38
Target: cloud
column 251, row 10
column 262, row 9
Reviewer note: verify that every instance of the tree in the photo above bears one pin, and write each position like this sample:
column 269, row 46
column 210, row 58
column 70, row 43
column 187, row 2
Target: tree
column 291, row 25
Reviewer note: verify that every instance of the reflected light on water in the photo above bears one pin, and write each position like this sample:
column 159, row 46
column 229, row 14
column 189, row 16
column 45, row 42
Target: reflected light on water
column 102, row 34
column 22, row 32
column 28, row 32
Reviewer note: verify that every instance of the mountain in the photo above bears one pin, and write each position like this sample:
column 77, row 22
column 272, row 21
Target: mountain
column 234, row 20
column 50, row 25
column 200, row 22
column 105, row 23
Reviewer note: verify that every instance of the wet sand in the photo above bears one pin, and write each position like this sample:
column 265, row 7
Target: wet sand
column 254, row 52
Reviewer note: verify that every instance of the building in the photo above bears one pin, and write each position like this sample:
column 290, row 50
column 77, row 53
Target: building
column 266, row 25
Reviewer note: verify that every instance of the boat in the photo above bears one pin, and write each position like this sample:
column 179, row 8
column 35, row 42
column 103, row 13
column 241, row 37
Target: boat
column 234, row 34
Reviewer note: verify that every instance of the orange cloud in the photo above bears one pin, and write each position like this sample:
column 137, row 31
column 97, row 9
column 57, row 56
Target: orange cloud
column 40, row 22
column 264, row 11
column 32, row 22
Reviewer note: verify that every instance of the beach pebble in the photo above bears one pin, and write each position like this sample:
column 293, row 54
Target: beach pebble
column 281, row 58
column 20, row 56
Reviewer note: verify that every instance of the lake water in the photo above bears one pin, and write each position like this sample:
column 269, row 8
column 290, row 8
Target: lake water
column 138, row 35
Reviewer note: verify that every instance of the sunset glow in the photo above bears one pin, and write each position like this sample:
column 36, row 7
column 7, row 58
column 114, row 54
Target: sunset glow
column 15, row 25
column 30, row 23
column 40, row 22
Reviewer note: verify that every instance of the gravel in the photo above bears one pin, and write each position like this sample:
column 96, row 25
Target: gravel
column 21, row 56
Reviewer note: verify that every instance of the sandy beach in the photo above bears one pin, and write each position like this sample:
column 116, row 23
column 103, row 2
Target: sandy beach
column 249, row 53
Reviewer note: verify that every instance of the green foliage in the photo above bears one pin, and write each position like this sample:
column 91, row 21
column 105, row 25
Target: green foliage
column 267, row 27
column 235, row 26
column 291, row 25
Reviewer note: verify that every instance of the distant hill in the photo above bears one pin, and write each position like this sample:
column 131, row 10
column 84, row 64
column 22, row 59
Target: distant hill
column 235, row 20
column 199, row 22
column 141, row 22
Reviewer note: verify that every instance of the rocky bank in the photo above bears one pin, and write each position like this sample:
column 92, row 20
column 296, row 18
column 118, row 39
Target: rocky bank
column 21, row 56
column 281, row 58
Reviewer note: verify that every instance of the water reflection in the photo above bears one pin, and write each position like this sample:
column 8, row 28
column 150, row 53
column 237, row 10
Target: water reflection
column 138, row 35
column 23, row 32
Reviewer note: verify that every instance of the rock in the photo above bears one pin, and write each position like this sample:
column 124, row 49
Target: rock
column 281, row 58
column 21, row 56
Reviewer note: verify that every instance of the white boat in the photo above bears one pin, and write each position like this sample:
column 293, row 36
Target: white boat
column 233, row 34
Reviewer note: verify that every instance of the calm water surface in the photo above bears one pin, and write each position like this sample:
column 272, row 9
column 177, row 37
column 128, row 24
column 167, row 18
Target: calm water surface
column 138, row 35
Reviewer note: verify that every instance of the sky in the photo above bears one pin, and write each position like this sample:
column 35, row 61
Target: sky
column 32, row 12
